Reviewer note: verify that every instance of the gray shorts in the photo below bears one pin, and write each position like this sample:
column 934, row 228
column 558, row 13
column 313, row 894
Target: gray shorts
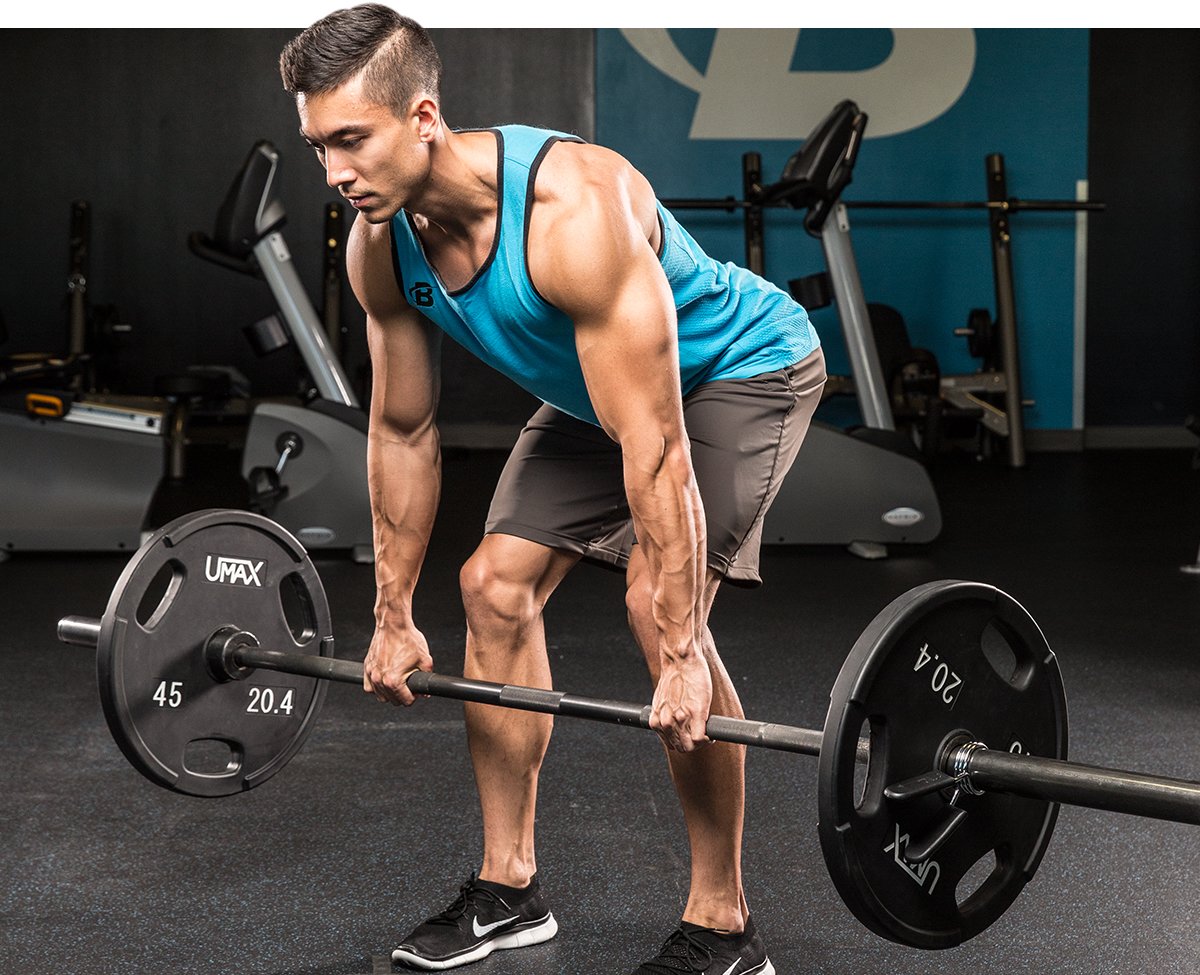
column 563, row 485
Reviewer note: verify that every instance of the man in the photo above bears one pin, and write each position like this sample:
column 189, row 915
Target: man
column 677, row 392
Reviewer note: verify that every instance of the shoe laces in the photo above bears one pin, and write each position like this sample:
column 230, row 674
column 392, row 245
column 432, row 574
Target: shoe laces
column 468, row 893
column 682, row 952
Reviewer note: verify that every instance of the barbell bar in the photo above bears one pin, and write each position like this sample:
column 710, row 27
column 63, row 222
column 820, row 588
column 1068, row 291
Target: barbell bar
column 944, row 745
column 970, row 764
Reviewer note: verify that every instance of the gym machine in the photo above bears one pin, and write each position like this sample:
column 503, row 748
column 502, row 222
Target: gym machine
column 305, row 462
column 77, row 476
column 993, row 394
column 79, row 468
column 331, row 283
column 864, row 488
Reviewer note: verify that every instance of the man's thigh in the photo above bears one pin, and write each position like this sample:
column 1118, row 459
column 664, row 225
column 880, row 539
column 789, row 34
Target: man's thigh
column 745, row 434
column 563, row 485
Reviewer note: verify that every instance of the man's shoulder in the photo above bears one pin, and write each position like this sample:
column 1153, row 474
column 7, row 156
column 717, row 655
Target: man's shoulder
column 570, row 169
column 535, row 135
column 366, row 241
column 370, row 268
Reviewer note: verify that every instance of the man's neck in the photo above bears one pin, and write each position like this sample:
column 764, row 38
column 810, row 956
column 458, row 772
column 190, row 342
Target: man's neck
column 462, row 192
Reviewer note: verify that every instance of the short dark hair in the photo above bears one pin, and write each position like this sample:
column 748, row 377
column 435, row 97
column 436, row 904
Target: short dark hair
column 395, row 55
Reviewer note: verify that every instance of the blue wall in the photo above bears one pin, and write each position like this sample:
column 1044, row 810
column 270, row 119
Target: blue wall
column 939, row 102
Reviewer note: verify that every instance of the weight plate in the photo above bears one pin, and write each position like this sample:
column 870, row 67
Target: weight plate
column 981, row 335
column 177, row 723
column 946, row 662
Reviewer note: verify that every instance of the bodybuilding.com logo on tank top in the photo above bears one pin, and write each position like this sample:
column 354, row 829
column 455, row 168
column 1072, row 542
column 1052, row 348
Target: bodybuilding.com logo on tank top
column 749, row 90
column 421, row 294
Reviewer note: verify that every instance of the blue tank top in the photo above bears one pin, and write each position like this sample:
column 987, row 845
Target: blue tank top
column 732, row 324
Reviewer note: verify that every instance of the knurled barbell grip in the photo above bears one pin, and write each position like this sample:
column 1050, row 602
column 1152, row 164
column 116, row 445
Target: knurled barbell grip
column 719, row 728
column 301, row 664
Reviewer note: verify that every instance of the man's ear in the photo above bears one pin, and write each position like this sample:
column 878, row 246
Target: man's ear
column 428, row 118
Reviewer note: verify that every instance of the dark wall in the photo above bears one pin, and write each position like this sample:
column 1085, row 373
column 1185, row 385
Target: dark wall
column 1143, row 340
column 150, row 127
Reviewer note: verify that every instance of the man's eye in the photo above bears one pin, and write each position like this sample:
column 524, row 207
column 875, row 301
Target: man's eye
column 351, row 143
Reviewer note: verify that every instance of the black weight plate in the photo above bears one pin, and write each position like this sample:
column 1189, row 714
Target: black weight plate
column 919, row 676
column 175, row 721
column 981, row 334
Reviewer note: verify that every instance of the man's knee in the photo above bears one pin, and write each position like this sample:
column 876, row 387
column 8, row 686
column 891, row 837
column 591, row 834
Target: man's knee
column 494, row 597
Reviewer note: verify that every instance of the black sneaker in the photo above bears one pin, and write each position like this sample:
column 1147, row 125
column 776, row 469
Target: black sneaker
column 479, row 922
column 702, row 951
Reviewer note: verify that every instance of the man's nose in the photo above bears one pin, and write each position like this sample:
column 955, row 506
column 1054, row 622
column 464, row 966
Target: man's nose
column 338, row 172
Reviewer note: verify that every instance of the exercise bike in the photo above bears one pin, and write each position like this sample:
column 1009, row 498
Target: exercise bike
column 305, row 462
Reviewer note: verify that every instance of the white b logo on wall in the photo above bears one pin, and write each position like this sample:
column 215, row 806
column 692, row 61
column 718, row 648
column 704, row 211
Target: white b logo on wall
column 750, row 91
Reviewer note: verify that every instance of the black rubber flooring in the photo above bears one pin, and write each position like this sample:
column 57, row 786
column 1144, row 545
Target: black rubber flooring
column 375, row 822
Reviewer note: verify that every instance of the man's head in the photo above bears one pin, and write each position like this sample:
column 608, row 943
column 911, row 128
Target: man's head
column 393, row 54
column 366, row 84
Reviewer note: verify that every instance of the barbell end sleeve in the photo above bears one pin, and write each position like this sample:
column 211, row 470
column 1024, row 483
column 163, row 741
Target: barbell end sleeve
column 1094, row 787
column 79, row 631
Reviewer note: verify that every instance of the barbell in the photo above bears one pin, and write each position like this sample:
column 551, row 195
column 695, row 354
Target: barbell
column 942, row 761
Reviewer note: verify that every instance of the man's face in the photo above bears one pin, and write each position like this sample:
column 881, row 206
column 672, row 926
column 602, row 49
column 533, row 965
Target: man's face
column 374, row 159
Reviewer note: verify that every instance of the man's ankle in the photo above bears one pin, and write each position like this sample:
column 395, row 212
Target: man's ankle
column 725, row 921
column 516, row 876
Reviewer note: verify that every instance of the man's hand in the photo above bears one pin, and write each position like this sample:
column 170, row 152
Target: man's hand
column 394, row 654
column 681, row 703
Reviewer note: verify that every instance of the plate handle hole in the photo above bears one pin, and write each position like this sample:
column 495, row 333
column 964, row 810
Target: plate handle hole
column 297, row 605
column 862, row 770
column 998, row 652
column 975, row 879
column 212, row 757
column 159, row 594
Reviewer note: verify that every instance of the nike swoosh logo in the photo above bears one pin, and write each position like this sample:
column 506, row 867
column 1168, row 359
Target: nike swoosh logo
column 730, row 969
column 481, row 930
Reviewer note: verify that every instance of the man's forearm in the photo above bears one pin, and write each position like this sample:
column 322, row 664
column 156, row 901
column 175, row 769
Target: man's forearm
column 404, row 476
column 668, row 518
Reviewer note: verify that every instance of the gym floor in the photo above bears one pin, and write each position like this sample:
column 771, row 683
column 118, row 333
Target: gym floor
column 374, row 823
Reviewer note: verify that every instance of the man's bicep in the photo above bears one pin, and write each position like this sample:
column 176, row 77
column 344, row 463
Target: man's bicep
column 403, row 344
